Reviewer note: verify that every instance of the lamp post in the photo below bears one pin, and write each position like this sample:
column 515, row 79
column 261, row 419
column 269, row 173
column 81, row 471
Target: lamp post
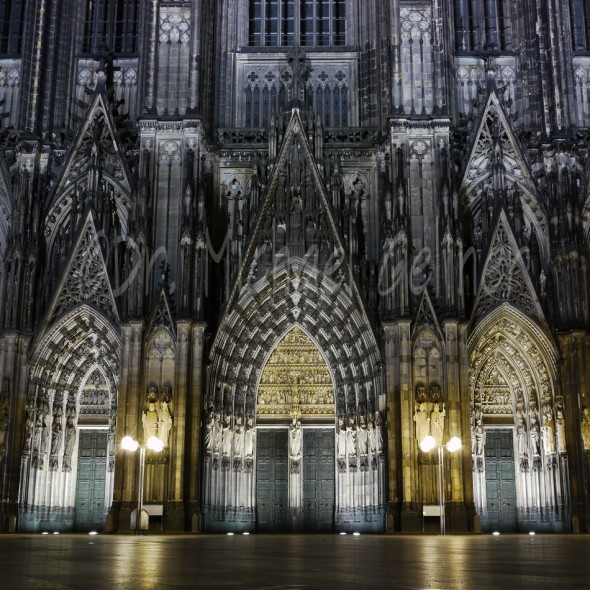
column 452, row 446
column 130, row 444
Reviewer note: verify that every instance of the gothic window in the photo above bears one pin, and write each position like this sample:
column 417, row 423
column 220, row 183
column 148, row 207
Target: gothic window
column 482, row 22
column 580, row 18
column 319, row 23
column 111, row 25
column 11, row 20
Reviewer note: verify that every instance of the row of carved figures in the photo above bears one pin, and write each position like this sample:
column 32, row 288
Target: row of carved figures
column 41, row 438
column 157, row 421
column 361, row 438
column 226, row 436
column 430, row 421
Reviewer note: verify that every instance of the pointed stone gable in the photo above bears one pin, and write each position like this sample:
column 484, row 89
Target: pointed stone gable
column 495, row 138
column 96, row 147
column 296, row 222
column 162, row 316
column 426, row 316
column 85, row 279
column 505, row 278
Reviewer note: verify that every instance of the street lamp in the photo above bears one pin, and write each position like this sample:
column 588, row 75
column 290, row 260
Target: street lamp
column 130, row 444
column 452, row 446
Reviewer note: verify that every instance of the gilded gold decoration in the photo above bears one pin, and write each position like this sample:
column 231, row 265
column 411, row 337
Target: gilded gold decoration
column 296, row 381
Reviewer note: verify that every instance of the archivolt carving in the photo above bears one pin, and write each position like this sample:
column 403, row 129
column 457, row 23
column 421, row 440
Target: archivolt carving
column 343, row 337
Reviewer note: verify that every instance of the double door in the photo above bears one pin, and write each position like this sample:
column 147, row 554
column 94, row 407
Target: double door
column 279, row 507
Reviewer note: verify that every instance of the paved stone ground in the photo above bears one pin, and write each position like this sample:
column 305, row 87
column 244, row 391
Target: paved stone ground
column 297, row 562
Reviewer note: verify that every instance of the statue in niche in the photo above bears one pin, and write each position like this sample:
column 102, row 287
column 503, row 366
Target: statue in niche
column 548, row 431
column 341, row 438
column 437, row 423
column 209, row 427
column 586, row 428
column 40, row 442
column 372, row 436
column 535, row 436
column 295, row 439
column 249, row 439
column 351, row 438
column 3, row 427
column 560, row 431
column 70, row 438
column 238, row 438
column 29, row 425
column 217, row 434
column 422, row 422
column 523, row 450
column 227, row 436
column 149, row 420
column 378, row 432
column 480, row 439
column 56, row 431
column 164, row 422
column 363, row 437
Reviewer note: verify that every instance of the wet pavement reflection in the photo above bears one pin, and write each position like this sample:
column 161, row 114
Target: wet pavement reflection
column 274, row 562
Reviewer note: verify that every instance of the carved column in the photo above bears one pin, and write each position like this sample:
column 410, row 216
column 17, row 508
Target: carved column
column 129, row 409
column 195, row 411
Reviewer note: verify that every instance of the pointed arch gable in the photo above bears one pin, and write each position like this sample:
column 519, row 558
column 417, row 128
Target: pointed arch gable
column 479, row 166
column 296, row 294
column 526, row 337
column 97, row 137
column 295, row 137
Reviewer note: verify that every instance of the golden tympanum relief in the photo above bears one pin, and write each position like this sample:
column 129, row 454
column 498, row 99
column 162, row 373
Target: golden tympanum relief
column 295, row 382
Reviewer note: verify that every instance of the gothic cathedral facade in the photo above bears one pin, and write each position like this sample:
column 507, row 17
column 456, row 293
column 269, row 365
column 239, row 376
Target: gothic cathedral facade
column 290, row 239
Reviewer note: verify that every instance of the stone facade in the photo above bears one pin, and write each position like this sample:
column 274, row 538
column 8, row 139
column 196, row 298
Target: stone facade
column 290, row 239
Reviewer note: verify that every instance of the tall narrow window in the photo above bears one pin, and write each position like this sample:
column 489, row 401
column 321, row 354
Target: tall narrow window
column 482, row 22
column 580, row 19
column 320, row 23
column 11, row 26
column 111, row 25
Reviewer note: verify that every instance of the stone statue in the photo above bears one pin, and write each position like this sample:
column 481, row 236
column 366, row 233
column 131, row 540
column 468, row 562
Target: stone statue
column 378, row 433
column 523, row 450
column 341, row 438
column 164, row 422
column 535, row 435
column 372, row 436
column 437, row 423
column 560, row 431
column 56, row 431
column 29, row 424
column 363, row 437
column 295, row 439
column 586, row 429
column 149, row 420
column 217, row 434
column 238, row 438
column 543, row 283
column 422, row 422
column 548, row 431
column 480, row 439
column 249, row 439
column 227, row 436
column 209, row 426
column 351, row 438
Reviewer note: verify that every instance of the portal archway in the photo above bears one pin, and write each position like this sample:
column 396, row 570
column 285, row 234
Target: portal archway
column 299, row 301
column 519, row 463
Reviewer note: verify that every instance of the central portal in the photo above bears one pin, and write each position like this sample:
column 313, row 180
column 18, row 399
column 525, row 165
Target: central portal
column 295, row 496
column 295, row 466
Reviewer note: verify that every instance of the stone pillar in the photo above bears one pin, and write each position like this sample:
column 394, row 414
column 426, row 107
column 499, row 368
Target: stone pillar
column 458, row 478
column 14, row 379
column 129, row 405
column 194, row 414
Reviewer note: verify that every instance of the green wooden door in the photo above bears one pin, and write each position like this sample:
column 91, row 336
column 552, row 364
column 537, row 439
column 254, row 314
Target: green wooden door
column 90, row 482
column 500, row 482
column 272, row 481
column 318, row 480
